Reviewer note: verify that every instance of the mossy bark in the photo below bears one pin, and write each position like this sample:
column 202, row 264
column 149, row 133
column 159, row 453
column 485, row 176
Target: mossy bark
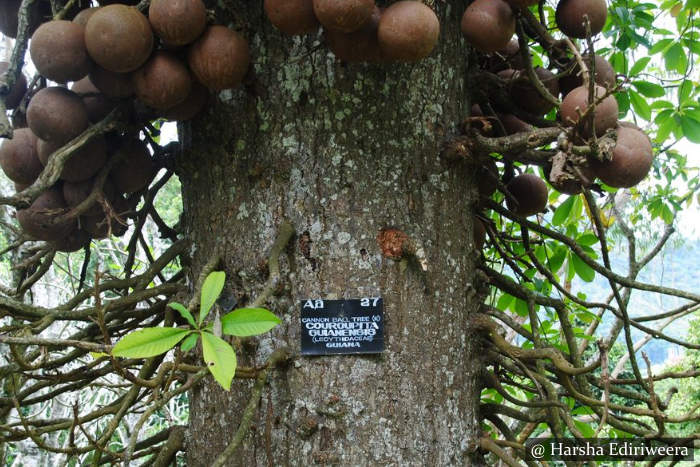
column 341, row 151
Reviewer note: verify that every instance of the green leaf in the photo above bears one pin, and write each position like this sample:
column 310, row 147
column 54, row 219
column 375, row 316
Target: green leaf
column 184, row 312
column 583, row 270
column 587, row 239
column 649, row 89
column 211, row 289
column 98, row 355
column 684, row 91
column 189, row 342
column 640, row 106
column 504, row 301
column 675, row 58
column 148, row 342
column 248, row 322
column 660, row 46
column 220, row 359
column 639, row 65
column 691, row 128
column 563, row 211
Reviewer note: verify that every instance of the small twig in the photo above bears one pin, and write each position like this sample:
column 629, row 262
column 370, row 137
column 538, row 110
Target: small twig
column 279, row 356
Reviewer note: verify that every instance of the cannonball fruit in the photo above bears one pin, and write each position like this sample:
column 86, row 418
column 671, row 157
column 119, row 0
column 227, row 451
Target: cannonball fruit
column 528, row 195
column 292, row 17
column 40, row 219
column 76, row 240
column 604, row 74
column 98, row 106
column 119, row 38
column 135, row 168
column 57, row 114
column 220, row 58
column 631, row 160
column 18, row 157
column 577, row 101
column 194, row 103
column 98, row 226
column 570, row 17
column 76, row 192
column 343, row 15
column 357, row 46
column 178, row 22
column 111, row 84
column 84, row 15
column 487, row 179
column 408, row 31
column 162, row 82
column 19, row 89
column 82, row 164
column 526, row 95
column 488, row 25
column 58, row 51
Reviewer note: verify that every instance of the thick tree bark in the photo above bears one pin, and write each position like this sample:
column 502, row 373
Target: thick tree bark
column 341, row 151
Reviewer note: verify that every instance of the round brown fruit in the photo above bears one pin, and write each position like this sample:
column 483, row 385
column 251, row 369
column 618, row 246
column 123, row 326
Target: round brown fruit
column 408, row 31
column 513, row 124
column 358, row 46
column 19, row 89
column 479, row 233
column 343, row 15
column 162, row 82
column 577, row 101
column 528, row 195
column 57, row 114
column 507, row 57
column 178, row 22
column 526, row 95
column 98, row 227
column 194, row 103
column 98, row 106
column 292, row 17
column 488, row 25
column 111, row 84
column 631, row 161
column 220, row 58
column 58, row 51
column 487, row 179
column 19, row 159
column 76, row 192
column 39, row 12
column 84, row 16
column 39, row 221
column 119, row 38
column 82, row 164
column 604, row 74
column 74, row 241
column 135, row 168
column 570, row 16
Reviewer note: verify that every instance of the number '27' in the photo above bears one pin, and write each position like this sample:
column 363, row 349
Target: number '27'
column 369, row 301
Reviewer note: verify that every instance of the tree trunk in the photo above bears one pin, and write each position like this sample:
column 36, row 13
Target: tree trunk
column 341, row 151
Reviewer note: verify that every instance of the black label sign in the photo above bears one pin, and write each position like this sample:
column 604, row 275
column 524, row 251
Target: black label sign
column 331, row 327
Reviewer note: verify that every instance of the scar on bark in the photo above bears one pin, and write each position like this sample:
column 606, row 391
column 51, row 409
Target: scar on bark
column 305, row 248
column 397, row 245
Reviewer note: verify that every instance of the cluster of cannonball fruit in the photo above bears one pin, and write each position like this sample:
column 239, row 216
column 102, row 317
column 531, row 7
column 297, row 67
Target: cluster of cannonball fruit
column 360, row 31
column 489, row 26
column 166, row 63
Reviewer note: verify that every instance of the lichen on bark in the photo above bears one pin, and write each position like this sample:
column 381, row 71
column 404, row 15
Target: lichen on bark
column 341, row 151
